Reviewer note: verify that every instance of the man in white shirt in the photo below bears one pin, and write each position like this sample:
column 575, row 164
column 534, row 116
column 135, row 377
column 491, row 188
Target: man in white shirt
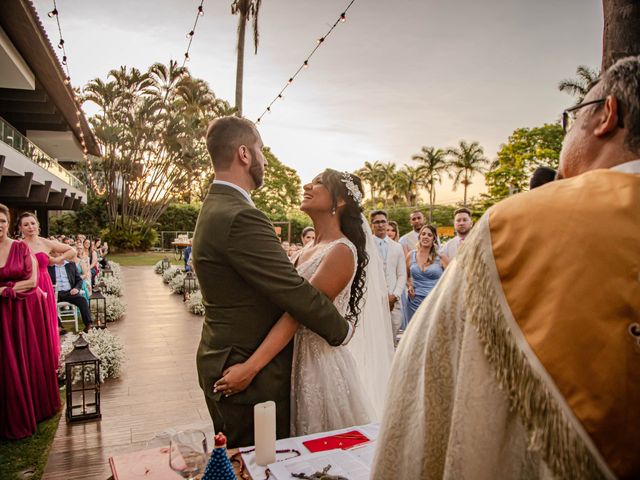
column 410, row 240
column 462, row 224
column 394, row 267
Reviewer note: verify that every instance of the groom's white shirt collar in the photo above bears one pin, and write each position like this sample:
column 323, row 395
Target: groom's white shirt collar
column 628, row 167
column 240, row 189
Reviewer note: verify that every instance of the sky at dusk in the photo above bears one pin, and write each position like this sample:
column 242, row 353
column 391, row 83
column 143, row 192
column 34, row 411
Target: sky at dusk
column 395, row 76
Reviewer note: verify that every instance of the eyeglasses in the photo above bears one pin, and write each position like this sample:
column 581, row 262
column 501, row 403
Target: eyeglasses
column 569, row 115
column 378, row 222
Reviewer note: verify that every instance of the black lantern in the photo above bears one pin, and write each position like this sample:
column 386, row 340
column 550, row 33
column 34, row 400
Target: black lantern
column 98, row 306
column 107, row 272
column 165, row 263
column 189, row 285
column 82, row 368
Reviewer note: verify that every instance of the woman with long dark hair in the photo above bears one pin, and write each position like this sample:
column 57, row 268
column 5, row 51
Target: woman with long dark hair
column 326, row 391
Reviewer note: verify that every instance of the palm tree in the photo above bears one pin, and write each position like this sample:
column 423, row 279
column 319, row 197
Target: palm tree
column 372, row 173
column 407, row 182
column 578, row 87
column 466, row 160
column 387, row 175
column 433, row 161
column 246, row 9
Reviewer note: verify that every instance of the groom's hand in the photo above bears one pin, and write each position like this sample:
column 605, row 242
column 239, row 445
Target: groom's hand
column 235, row 379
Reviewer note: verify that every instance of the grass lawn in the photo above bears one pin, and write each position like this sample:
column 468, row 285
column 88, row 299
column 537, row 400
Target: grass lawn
column 137, row 259
column 26, row 458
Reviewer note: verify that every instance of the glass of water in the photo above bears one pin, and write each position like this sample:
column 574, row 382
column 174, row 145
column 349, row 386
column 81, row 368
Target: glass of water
column 188, row 454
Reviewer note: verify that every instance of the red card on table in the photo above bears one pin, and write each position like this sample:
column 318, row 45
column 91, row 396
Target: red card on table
column 341, row 440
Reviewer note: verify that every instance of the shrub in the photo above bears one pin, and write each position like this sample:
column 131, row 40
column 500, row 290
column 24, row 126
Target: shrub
column 134, row 236
column 179, row 217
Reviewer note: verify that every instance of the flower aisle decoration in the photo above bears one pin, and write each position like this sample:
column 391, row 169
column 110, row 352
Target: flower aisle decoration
column 158, row 268
column 115, row 308
column 176, row 284
column 112, row 285
column 194, row 303
column 117, row 271
column 104, row 345
column 169, row 273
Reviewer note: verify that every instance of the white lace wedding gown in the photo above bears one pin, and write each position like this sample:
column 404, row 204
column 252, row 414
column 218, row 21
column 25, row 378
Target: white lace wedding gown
column 326, row 391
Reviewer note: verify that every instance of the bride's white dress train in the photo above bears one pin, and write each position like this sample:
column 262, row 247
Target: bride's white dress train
column 326, row 391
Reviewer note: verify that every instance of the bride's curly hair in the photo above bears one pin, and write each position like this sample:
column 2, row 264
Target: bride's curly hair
column 351, row 226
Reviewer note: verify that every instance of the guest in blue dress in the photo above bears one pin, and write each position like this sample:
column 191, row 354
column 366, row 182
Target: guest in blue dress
column 423, row 268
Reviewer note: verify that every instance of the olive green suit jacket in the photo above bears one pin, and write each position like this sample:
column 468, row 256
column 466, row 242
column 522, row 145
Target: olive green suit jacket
column 247, row 283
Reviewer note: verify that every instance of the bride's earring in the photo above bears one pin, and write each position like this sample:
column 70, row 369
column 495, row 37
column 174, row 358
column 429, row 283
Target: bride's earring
column 333, row 211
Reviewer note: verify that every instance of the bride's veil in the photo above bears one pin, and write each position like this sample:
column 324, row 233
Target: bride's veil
column 372, row 342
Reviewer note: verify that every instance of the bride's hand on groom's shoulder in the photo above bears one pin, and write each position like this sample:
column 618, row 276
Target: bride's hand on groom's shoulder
column 235, row 379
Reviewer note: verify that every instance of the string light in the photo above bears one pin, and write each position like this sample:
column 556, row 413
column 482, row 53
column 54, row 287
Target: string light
column 341, row 19
column 192, row 32
column 67, row 81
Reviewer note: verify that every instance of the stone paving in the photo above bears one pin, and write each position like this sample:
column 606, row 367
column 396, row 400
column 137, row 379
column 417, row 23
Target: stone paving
column 157, row 390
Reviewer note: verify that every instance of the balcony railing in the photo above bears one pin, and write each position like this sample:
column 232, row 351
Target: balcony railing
column 22, row 144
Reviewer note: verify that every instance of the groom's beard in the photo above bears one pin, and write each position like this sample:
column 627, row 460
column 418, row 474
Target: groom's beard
column 256, row 171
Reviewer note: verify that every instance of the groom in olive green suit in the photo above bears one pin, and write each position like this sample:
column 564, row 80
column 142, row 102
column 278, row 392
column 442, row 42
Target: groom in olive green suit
column 247, row 283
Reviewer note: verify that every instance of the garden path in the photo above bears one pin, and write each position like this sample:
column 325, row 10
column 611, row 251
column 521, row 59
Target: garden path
column 157, row 390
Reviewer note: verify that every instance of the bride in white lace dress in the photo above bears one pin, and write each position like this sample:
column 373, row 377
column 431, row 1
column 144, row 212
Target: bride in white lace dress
column 326, row 391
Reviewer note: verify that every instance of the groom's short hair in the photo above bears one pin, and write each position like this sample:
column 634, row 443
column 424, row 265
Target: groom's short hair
column 224, row 137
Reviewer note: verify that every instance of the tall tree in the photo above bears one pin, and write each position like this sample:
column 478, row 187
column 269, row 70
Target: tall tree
column 526, row 149
column 621, row 36
column 433, row 162
column 579, row 86
column 371, row 173
column 150, row 126
column 407, row 182
column 387, row 175
column 246, row 10
column 282, row 189
column 466, row 160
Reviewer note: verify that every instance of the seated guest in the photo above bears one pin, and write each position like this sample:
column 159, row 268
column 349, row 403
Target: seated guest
column 69, row 283
column 82, row 264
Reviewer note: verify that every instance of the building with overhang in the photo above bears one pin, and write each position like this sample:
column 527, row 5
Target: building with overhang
column 41, row 126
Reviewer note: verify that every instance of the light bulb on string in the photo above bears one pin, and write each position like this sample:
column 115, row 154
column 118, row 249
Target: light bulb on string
column 200, row 10
column 190, row 34
column 306, row 64
column 343, row 17
column 61, row 43
column 67, row 80
column 258, row 121
column 269, row 109
column 280, row 96
column 64, row 60
column 52, row 13
column 290, row 80
column 186, row 56
column 320, row 40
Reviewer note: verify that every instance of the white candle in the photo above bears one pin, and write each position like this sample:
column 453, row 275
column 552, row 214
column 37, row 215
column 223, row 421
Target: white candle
column 264, row 417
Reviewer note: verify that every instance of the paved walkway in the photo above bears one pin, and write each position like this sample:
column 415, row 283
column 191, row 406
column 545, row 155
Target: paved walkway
column 157, row 390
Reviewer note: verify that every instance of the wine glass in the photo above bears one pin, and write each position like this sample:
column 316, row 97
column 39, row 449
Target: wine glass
column 188, row 453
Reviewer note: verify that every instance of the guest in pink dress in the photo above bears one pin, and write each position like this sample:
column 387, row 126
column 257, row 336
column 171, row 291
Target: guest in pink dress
column 47, row 252
column 28, row 381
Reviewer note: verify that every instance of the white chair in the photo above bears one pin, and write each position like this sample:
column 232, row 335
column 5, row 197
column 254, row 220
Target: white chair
column 67, row 312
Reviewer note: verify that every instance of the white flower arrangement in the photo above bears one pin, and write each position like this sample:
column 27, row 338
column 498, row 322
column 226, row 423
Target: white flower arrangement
column 104, row 345
column 176, row 284
column 115, row 268
column 169, row 273
column 115, row 308
column 194, row 303
column 113, row 285
column 158, row 267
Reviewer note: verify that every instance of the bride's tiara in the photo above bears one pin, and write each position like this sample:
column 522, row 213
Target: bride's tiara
column 352, row 188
